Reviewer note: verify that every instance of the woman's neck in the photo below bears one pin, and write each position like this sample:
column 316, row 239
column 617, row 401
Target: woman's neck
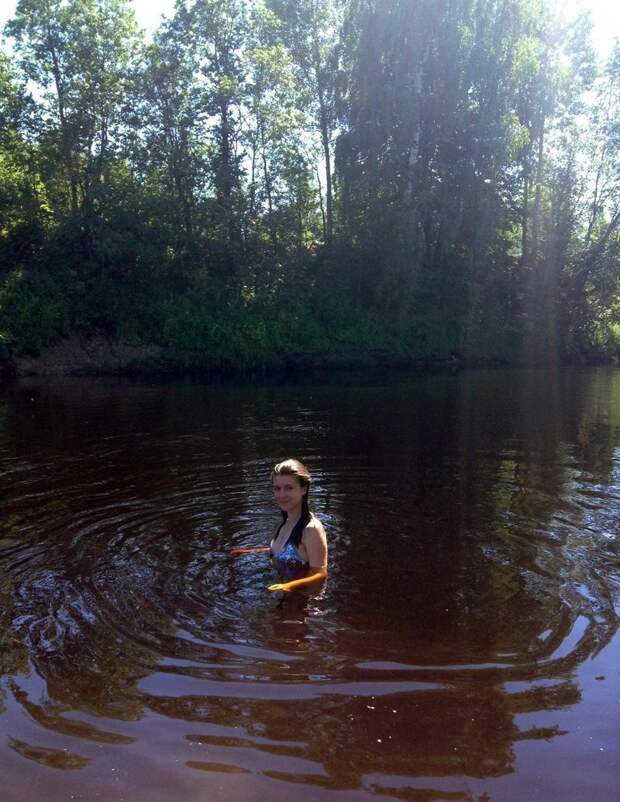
column 293, row 516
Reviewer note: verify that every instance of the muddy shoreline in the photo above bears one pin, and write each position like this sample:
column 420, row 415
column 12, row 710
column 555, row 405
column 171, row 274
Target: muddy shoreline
column 97, row 355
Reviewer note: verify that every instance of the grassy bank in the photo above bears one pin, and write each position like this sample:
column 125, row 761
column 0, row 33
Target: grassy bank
column 155, row 326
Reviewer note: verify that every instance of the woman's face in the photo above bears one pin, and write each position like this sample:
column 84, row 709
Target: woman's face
column 288, row 491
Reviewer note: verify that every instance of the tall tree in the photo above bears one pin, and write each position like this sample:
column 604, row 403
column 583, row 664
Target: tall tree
column 169, row 137
column 78, row 54
column 282, row 190
column 427, row 139
column 310, row 30
column 217, row 34
column 22, row 193
column 592, row 278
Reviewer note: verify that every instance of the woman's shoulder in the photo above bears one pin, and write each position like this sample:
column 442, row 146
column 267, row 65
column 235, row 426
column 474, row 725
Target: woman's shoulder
column 314, row 528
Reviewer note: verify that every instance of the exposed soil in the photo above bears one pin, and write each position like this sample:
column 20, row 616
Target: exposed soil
column 81, row 355
column 88, row 354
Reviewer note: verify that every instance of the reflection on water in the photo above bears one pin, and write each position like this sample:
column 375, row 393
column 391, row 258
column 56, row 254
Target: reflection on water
column 472, row 597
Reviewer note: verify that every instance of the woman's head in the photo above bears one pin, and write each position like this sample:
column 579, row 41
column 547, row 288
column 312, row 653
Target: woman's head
column 293, row 467
column 291, row 483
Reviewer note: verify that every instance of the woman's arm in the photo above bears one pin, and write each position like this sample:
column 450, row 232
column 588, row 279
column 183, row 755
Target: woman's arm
column 314, row 576
column 239, row 550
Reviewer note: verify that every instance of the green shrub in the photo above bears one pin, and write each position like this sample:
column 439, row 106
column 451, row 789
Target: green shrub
column 32, row 311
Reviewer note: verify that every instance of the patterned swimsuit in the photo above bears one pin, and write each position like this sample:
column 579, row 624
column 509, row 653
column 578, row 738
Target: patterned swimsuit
column 288, row 562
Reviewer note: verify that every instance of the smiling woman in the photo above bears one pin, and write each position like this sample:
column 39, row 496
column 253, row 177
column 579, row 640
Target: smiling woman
column 299, row 546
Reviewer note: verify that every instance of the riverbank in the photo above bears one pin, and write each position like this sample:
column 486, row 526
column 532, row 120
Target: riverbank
column 88, row 354
column 96, row 355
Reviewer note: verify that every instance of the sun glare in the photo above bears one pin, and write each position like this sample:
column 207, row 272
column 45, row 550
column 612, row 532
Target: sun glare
column 605, row 15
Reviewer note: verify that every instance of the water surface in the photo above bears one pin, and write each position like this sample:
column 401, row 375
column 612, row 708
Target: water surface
column 465, row 646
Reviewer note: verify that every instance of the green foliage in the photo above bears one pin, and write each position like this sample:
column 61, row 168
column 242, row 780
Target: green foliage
column 279, row 181
column 32, row 311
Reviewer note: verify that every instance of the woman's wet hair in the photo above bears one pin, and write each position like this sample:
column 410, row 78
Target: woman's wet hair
column 293, row 467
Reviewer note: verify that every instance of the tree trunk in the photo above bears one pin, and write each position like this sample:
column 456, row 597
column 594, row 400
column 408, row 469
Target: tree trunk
column 525, row 214
column 538, row 192
column 66, row 145
column 268, row 188
column 325, row 141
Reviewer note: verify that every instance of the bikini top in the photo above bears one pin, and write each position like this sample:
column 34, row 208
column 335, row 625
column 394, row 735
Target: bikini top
column 288, row 562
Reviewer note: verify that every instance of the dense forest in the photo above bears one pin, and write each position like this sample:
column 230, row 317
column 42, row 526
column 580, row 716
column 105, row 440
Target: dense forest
column 267, row 181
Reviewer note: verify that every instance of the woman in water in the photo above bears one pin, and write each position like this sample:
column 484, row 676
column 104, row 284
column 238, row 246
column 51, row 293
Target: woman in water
column 299, row 546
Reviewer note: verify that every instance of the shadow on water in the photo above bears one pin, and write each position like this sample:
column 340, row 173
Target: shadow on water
column 474, row 569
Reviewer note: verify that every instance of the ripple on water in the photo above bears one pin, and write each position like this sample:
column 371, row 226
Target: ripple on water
column 458, row 598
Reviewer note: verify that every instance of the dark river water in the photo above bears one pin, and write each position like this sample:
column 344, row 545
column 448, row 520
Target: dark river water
column 464, row 647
